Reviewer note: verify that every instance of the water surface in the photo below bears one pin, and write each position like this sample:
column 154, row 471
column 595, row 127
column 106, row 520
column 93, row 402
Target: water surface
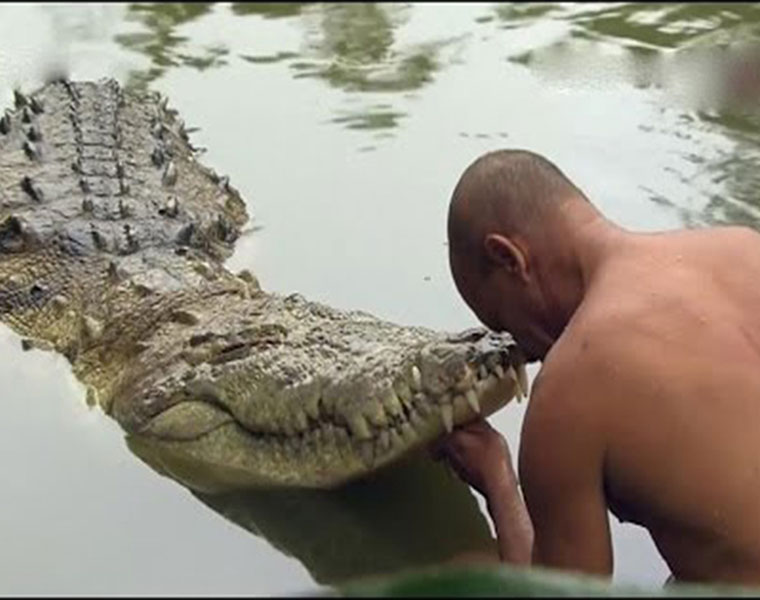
column 345, row 127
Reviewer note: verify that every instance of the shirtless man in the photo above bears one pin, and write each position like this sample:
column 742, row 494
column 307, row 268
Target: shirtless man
column 648, row 399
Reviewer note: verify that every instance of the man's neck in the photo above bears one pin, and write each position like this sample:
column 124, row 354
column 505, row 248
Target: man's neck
column 587, row 241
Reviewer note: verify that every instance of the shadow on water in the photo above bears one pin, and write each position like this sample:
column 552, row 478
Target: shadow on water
column 411, row 514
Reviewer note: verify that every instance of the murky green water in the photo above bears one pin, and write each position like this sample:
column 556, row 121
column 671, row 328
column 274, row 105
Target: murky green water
column 345, row 127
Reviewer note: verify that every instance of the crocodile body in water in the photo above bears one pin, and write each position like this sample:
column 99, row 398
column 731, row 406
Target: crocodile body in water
column 112, row 242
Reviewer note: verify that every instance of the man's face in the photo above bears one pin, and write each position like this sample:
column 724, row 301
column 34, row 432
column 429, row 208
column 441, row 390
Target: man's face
column 501, row 302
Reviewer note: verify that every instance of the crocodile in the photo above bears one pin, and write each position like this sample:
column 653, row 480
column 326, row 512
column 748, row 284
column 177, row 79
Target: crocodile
column 113, row 238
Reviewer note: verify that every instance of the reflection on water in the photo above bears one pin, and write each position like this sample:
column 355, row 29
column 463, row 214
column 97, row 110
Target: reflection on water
column 347, row 126
column 704, row 57
column 412, row 514
column 352, row 47
column 514, row 15
column 268, row 10
column 160, row 42
column 669, row 26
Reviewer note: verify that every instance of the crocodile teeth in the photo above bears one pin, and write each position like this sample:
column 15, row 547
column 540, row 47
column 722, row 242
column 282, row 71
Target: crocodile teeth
column 375, row 413
column 359, row 427
column 379, row 418
column 416, row 420
column 329, row 434
column 384, row 440
column 447, row 416
column 514, row 377
column 423, row 405
column 472, row 400
column 416, row 378
column 466, row 381
column 402, row 391
column 482, row 372
column 408, row 433
column 392, row 404
column 300, row 420
column 499, row 370
column 367, row 452
column 396, row 441
column 311, row 406
column 522, row 379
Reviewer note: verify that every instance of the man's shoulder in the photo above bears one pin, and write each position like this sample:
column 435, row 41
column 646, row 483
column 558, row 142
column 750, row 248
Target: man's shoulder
column 592, row 352
column 568, row 415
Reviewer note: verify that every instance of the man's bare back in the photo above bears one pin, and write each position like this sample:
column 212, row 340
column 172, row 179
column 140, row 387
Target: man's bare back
column 670, row 333
column 648, row 399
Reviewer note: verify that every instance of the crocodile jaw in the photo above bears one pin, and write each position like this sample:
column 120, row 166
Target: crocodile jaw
column 324, row 436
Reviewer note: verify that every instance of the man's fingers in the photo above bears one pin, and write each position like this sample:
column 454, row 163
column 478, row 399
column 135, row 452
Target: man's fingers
column 460, row 442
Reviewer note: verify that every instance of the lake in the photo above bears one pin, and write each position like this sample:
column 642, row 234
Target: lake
column 345, row 128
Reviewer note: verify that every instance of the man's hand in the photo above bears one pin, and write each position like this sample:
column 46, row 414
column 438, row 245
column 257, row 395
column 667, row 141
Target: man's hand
column 478, row 454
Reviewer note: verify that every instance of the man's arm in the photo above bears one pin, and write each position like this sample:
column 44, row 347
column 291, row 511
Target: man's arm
column 481, row 458
column 514, row 530
column 561, row 471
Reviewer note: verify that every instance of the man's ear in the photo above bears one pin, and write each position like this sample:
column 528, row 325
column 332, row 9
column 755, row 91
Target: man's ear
column 504, row 252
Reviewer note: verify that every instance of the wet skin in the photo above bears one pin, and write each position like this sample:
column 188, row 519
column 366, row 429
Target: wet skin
column 648, row 404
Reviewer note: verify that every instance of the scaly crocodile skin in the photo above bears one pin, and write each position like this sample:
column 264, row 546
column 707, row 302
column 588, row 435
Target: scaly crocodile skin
column 112, row 239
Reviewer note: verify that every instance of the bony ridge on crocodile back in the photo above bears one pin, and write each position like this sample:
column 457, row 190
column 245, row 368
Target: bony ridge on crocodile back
column 112, row 239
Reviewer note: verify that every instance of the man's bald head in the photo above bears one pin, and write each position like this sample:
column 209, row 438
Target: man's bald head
column 506, row 191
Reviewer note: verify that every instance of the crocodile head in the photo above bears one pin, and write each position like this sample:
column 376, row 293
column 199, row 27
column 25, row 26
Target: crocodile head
column 307, row 395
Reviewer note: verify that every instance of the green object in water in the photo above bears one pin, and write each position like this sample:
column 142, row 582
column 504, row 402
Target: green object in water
column 504, row 580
